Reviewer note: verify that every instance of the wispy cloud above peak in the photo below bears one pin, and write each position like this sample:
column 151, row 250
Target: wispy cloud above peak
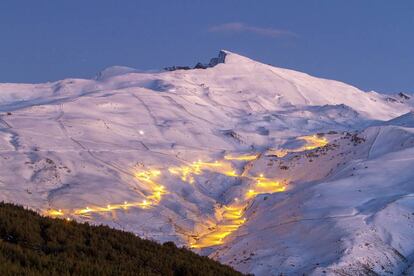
column 239, row 27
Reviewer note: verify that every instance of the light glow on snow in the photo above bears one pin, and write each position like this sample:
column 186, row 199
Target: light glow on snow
column 187, row 172
column 148, row 177
column 231, row 220
column 247, row 157
column 311, row 142
column 230, row 217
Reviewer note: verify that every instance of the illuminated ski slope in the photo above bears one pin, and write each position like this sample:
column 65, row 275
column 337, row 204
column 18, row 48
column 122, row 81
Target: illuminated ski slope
column 148, row 177
column 230, row 216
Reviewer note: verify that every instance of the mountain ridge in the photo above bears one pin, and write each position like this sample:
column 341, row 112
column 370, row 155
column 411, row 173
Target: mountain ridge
column 229, row 160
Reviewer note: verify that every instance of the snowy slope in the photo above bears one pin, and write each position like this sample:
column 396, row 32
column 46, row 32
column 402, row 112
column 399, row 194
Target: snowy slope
column 267, row 169
column 357, row 218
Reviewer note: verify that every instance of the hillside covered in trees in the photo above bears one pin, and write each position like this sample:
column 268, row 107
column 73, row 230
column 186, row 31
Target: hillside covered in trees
column 34, row 245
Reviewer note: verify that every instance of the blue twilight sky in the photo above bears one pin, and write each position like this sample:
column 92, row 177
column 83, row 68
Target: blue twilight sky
column 366, row 43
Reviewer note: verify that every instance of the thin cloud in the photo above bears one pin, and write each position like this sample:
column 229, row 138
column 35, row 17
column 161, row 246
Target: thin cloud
column 238, row 27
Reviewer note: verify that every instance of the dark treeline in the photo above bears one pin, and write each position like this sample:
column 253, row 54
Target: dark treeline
column 34, row 245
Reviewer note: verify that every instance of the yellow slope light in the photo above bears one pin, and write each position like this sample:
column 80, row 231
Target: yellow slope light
column 230, row 222
column 147, row 177
column 248, row 157
column 187, row 172
column 54, row 213
column 313, row 142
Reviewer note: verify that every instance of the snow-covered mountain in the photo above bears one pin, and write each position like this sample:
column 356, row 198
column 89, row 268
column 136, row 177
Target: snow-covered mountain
column 266, row 169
